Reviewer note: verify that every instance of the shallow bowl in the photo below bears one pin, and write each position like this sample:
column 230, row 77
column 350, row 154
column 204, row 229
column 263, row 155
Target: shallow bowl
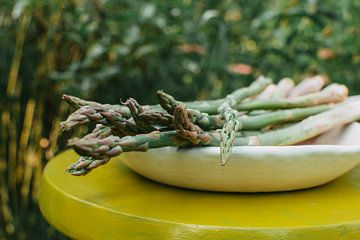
column 253, row 168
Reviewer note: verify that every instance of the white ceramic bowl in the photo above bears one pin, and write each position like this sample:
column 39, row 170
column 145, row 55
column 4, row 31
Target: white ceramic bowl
column 253, row 168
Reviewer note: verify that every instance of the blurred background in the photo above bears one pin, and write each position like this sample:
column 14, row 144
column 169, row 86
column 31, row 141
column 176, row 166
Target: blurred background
column 107, row 50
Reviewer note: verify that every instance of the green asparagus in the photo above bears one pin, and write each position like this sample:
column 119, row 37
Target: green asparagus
column 308, row 85
column 332, row 94
column 283, row 88
column 230, row 115
column 98, row 151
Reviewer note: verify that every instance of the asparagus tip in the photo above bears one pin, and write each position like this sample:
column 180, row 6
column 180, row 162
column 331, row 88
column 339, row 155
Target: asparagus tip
column 84, row 165
column 74, row 172
column 64, row 127
column 72, row 141
column 70, row 99
column 166, row 101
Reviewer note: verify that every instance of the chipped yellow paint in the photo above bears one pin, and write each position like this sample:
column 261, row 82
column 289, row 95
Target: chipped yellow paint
column 114, row 203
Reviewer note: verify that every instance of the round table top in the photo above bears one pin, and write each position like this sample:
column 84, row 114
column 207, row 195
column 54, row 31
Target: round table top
column 113, row 202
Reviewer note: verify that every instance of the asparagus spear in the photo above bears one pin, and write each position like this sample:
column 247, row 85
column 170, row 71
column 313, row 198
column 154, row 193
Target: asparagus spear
column 84, row 165
column 136, row 109
column 212, row 122
column 99, row 131
column 268, row 119
column 78, row 103
column 158, row 120
column 267, row 93
column 186, row 129
column 332, row 94
column 283, row 88
column 100, row 115
column 311, row 126
column 308, row 85
column 169, row 103
column 230, row 115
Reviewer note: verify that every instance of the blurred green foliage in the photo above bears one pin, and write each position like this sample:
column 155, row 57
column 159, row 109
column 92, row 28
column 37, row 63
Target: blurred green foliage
column 106, row 50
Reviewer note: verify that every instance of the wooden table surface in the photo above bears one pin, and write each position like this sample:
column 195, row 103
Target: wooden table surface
column 112, row 202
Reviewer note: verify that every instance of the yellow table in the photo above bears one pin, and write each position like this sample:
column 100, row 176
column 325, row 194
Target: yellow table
column 113, row 202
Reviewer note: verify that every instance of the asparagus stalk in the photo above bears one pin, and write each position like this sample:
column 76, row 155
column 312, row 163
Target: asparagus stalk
column 283, row 88
column 77, row 102
column 332, row 94
column 308, row 85
column 230, row 115
column 102, row 149
column 311, row 126
column 267, row 119
column 267, row 93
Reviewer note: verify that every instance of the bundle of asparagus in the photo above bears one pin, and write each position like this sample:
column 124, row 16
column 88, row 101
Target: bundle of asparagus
column 260, row 114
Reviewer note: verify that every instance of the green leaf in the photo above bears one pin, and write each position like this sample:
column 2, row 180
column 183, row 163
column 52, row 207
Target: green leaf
column 147, row 11
column 132, row 35
column 145, row 50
